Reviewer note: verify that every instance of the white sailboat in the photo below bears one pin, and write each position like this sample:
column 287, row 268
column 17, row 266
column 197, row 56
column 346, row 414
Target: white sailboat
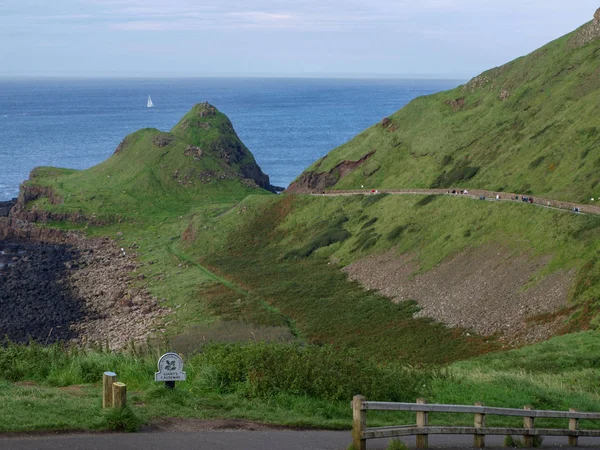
column 149, row 104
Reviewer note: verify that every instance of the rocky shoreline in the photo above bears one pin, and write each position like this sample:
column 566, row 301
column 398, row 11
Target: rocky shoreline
column 5, row 207
column 57, row 286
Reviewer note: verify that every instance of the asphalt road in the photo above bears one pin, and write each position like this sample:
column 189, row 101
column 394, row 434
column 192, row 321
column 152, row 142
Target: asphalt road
column 240, row 440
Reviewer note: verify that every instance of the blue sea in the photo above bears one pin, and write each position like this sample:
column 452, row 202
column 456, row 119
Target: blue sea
column 286, row 123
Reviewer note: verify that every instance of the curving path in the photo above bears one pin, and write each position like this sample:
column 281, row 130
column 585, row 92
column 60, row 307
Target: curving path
column 472, row 193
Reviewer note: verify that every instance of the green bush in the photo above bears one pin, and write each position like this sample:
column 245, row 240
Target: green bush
column 509, row 441
column 396, row 232
column 460, row 172
column 396, row 444
column 369, row 223
column 264, row 370
column 369, row 200
column 366, row 239
column 427, row 200
column 331, row 235
column 122, row 419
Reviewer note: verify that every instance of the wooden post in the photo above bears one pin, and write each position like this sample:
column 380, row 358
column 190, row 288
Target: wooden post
column 422, row 421
column 359, row 423
column 573, row 426
column 528, row 425
column 119, row 395
column 479, row 439
column 107, row 389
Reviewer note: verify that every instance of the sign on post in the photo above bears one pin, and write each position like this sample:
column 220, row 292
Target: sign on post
column 170, row 369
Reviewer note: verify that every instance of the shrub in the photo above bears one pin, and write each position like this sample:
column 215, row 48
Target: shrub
column 122, row 419
column 369, row 223
column 537, row 162
column 446, row 160
column 509, row 441
column 396, row 232
column 366, row 239
column 460, row 172
column 426, row 200
column 334, row 233
column 264, row 370
column 369, row 200
column 396, row 444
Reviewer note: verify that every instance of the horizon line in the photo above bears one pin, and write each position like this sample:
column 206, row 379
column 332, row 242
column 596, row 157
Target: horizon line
column 198, row 77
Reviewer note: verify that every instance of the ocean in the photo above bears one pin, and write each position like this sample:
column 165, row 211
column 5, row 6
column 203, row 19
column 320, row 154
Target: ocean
column 286, row 123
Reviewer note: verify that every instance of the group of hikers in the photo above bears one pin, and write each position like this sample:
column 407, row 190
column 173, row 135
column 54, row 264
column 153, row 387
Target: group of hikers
column 498, row 197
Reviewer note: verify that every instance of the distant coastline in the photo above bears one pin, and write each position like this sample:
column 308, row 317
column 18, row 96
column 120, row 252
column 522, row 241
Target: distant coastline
column 287, row 123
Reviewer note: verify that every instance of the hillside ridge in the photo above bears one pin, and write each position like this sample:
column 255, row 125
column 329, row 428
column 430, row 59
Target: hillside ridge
column 531, row 125
column 200, row 159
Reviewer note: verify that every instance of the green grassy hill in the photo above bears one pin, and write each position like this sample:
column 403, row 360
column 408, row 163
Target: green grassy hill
column 531, row 126
column 201, row 161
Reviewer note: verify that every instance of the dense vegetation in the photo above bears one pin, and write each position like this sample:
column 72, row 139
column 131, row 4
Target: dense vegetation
column 58, row 388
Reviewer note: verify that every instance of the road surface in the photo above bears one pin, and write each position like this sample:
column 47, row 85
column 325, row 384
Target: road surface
column 241, row 440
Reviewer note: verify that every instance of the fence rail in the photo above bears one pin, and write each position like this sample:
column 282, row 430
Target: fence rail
column 360, row 432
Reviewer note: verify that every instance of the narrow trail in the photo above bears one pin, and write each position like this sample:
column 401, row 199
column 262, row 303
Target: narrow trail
column 477, row 194
column 234, row 287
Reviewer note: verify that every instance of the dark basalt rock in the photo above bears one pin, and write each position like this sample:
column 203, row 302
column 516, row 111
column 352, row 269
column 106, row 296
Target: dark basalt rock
column 5, row 207
column 35, row 302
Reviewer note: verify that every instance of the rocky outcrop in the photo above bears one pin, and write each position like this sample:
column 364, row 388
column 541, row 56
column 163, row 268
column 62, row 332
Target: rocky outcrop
column 163, row 139
column 587, row 33
column 35, row 301
column 121, row 146
column 317, row 181
column 456, row 104
column 13, row 228
column 64, row 286
column 504, row 94
column 477, row 83
column 194, row 152
column 221, row 143
column 5, row 207
column 29, row 193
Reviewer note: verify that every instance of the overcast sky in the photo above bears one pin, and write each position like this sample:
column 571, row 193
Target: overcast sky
column 199, row 38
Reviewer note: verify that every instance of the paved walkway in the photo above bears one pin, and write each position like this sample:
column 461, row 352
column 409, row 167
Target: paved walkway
column 241, row 440
column 472, row 193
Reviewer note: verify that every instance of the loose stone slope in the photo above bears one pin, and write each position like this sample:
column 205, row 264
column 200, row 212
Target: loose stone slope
column 490, row 290
column 63, row 286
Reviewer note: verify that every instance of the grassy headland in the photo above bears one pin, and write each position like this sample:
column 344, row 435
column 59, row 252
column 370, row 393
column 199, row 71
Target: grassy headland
column 238, row 264
column 530, row 126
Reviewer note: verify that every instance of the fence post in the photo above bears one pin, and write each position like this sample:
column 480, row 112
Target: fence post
column 359, row 423
column 422, row 421
column 119, row 395
column 573, row 426
column 528, row 425
column 107, row 389
column 479, row 439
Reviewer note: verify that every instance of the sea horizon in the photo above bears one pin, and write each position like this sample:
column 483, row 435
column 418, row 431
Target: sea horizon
column 287, row 123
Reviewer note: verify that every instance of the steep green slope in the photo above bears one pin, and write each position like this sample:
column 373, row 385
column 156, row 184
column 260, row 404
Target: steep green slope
column 530, row 126
column 152, row 172
column 288, row 251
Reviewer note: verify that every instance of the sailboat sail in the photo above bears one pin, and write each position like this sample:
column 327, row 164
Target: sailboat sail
column 149, row 104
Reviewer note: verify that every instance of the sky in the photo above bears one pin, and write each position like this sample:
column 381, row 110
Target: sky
column 276, row 38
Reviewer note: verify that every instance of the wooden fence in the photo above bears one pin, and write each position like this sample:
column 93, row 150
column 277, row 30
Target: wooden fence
column 422, row 429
